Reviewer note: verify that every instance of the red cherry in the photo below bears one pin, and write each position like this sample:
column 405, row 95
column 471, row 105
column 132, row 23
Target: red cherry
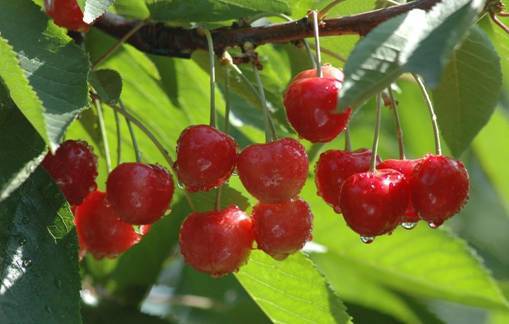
column 310, row 107
column 206, row 158
column 373, row 202
column 334, row 167
column 407, row 168
column 74, row 169
column 216, row 242
column 140, row 193
column 328, row 71
column 100, row 230
column 274, row 172
column 282, row 229
column 67, row 14
column 439, row 188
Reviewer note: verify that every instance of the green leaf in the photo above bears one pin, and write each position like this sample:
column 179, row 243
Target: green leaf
column 468, row 92
column 21, row 147
column 94, row 9
column 292, row 291
column 54, row 66
column 211, row 10
column 108, row 85
column 417, row 41
column 38, row 256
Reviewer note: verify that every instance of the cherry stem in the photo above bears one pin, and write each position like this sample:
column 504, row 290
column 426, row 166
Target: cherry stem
column 156, row 142
column 317, row 44
column 499, row 22
column 137, row 151
column 212, row 71
column 376, row 137
column 269, row 131
column 503, row 14
column 431, row 110
column 348, row 142
column 399, row 129
column 119, row 137
column 121, row 41
column 328, row 7
column 104, row 135
column 312, row 58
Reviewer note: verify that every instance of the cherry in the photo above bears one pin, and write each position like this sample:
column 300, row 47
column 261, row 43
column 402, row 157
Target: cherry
column 440, row 188
column 216, row 242
column 334, row 167
column 407, row 168
column 206, row 157
column 373, row 202
column 328, row 71
column 273, row 172
column 283, row 228
column 140, row 193
column 100, row 230
column 74, row 169
column 67, row 14
column 310, row 107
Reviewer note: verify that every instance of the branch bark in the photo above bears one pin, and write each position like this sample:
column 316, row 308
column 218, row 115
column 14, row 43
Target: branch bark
column 156, row 38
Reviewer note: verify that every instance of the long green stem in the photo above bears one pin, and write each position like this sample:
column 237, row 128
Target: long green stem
column 121, row 41
column 317, row 44
column 212, row 72
column 119, row 138
column 156, row 142
column 348, row 142
column 306, row 44
column 431, row 110
column 136, row 149
column 399, row 129
column 104, row 135
column 269, row 132
column 376, row 137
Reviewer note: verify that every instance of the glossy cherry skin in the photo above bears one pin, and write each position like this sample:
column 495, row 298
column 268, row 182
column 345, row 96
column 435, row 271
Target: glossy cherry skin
column 74, row 169
column 328, row 71
column 100, row 230
column 311, row 109
column 373, row 202
column 67, row 14
column 217, row 242
column 206, row 158
column 407, row 168
column 140, row 193
column 273, row 172
column 440, row 188
column 334, row 167
column 283, row 228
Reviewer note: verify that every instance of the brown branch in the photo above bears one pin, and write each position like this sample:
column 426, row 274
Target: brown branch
column 156, row 38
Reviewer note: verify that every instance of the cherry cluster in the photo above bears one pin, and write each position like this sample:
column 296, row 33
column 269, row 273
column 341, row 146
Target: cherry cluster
column 219, row 242
column 136, row 194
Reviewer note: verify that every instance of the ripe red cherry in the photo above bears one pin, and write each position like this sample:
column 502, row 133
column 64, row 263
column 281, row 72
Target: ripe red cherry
column 407, row 168
column 100, row 230
column 310, row 107
column 282, row 229
column 206, row 158
column 328, row 71
column 274, row 172
column 334, row 167
column 140, row 193
column 74, row 169
column 373, row 202
column 216, row 242
column 66, row 13
column 439, row 188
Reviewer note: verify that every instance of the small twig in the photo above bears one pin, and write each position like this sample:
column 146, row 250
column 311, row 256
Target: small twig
column 316, row 31
column 121, row 41
column 376, row 138
column 119, row 138
column 431, row 110
column 328, row 7
column 499, row 22
column 137, row 152
column 399, row 130
column 104, row 135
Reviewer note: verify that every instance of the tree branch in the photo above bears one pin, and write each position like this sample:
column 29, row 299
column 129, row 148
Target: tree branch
column 159, row 39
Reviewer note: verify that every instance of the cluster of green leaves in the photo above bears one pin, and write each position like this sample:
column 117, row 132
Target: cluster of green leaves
column 418, row 276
